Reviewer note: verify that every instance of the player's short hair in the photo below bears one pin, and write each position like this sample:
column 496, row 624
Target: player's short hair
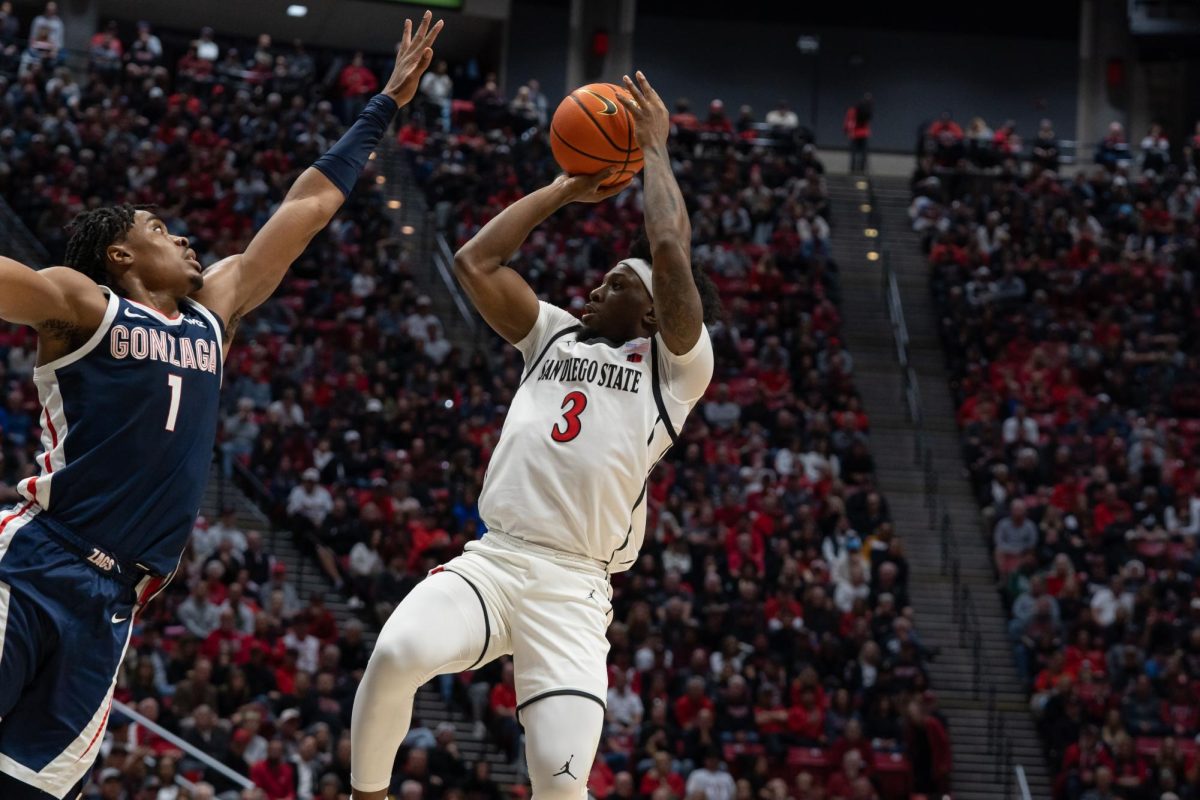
column 91, row 233
column 710, row 296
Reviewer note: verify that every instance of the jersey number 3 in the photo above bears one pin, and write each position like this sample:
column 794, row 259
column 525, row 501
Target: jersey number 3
column 577, row 402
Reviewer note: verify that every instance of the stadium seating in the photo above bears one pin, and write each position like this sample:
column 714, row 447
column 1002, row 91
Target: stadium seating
column 765, row 626
column 1067, row 307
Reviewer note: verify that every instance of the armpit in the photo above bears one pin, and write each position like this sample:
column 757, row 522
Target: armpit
column 60, row 330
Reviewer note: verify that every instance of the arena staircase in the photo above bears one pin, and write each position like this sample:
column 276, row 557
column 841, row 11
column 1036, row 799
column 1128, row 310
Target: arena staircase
column 303, row 571
column 431, row 255
column 920, row 471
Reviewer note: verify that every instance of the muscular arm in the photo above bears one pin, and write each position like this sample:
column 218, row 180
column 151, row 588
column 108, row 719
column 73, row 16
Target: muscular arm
column 677, row 305
column 63, row 305
column 503, row 298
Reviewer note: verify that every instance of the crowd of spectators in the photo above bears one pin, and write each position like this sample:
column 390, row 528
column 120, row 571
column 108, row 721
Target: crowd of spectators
column 947, row 150
column 763, row 645
column 1067, row 310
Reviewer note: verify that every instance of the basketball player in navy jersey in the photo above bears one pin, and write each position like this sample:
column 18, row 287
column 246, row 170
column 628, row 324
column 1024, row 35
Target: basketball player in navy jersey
column 563, row 499
column 131, row 339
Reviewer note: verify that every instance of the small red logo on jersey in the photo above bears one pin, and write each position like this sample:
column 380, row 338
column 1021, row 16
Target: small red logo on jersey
column 634, row 357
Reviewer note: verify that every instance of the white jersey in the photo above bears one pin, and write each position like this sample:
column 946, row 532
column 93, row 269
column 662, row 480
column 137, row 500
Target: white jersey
column 584, row 430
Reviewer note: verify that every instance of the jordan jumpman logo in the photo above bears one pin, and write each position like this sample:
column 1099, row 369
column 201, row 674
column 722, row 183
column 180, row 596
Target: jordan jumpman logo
column 566, row 769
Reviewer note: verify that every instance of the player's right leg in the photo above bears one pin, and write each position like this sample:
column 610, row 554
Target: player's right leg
column 64, row 628
column 441, row 626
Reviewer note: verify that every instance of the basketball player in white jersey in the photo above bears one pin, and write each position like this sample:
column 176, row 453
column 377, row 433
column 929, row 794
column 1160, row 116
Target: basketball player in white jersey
column 564, row 498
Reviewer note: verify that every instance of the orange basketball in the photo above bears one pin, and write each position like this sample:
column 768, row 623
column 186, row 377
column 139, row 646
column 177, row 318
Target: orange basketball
column 591, row 131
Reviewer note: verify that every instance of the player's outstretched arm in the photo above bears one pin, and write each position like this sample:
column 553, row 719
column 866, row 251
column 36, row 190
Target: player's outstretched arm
column 502, row 296
column 58, row 302
column 677, row 305
column 240, row 283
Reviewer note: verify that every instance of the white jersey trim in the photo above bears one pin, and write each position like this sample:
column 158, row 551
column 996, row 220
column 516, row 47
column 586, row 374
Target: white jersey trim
column 114, row 303
column 218, row 331
column 158, row 315
column 211, row 317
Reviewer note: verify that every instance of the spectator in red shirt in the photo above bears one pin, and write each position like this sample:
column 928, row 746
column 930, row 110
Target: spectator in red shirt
column 321, row 622
column 841, row 783
column 226, row 639
column 857, row 125
column 852, row 739
column 806, row 721
column 661, row 774
column 683, row 120
column 357, row 83
column 1129, row 769
column 601, row 780
column 274, row 775
column 688, row 706
column 1080, row 763
column 503, row 705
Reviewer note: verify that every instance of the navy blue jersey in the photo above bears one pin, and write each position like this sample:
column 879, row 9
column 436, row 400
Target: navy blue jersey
column 128, row 426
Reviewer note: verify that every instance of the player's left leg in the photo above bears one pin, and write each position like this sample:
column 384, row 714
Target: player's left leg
column 562, row 733
column 560, row 656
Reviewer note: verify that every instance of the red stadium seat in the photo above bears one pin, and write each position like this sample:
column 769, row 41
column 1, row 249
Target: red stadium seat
column 894, row 775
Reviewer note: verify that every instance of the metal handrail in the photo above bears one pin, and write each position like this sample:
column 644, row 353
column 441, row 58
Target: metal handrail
column 443, row 259
column 190, row 749
column 1023, row 783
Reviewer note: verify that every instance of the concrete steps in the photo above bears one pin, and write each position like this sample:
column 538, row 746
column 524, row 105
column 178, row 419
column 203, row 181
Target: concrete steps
column 973, row 675
column 308, row 578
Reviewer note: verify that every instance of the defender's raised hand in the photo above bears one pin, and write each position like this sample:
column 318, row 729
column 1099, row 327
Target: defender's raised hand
column 649, row 113
column 412, row 58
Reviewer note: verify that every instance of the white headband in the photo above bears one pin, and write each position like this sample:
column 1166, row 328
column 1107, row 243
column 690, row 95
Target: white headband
column 643, row 270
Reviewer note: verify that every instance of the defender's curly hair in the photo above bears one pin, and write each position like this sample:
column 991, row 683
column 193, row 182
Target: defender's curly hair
column 710, row 296
column 91, row 233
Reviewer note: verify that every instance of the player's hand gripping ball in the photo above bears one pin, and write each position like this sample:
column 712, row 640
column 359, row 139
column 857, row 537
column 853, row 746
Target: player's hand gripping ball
column 592, row 131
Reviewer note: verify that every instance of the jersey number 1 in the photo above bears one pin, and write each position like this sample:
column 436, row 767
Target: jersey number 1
column 578, row 402
column 176, row 384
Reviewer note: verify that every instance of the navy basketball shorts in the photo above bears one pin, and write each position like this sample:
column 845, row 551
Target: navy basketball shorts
column 64, row 627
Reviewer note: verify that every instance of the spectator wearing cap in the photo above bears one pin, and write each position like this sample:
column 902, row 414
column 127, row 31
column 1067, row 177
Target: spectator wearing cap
column 417, row 324
column 279, row 586
column 712, row 780
column 112, row 784
column 308, row 503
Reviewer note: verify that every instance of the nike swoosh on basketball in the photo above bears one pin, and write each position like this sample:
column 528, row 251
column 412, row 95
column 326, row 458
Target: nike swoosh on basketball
column 610, row 107
column 129, row 312
column 118, row 620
